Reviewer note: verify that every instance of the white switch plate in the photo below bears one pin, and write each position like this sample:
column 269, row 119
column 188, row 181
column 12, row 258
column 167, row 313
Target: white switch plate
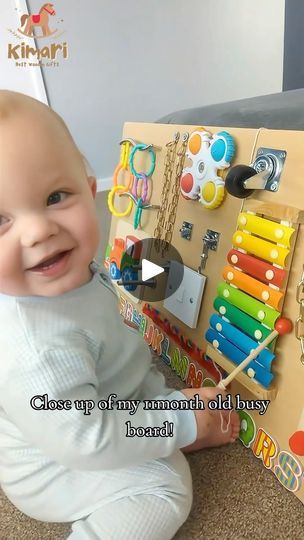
column 185, row 303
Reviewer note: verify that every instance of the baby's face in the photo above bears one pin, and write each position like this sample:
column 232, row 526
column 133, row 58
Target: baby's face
column 48, row 225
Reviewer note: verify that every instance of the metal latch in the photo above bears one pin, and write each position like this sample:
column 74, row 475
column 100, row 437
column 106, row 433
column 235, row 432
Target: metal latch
column 210, row 241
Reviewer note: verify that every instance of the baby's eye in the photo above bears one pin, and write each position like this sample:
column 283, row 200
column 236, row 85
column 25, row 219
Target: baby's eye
column 56, row 197
column 3, row 220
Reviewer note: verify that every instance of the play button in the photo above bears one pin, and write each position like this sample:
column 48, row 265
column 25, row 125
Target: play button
column 144, row 268
column 150, row 270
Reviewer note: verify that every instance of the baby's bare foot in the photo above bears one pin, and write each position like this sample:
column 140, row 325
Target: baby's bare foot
column 215, row 427
column 221, row 426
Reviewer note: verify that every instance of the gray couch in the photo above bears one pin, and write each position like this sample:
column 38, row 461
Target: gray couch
column 284, row 110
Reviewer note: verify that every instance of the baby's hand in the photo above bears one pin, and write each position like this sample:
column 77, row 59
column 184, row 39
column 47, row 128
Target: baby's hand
column 214, row 427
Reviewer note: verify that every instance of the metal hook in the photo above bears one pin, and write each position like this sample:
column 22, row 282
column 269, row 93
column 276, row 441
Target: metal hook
column 144, row 206
column 152, row 207
column 152, row 146
column 132, row 141
column 128, row 194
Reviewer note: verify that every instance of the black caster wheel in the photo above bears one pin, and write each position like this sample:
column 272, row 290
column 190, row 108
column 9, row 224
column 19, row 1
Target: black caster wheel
column 235, row 178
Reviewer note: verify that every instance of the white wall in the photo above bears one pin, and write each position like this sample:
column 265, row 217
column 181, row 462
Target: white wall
column 12, row 77
column 137, row 61
column 245, row 46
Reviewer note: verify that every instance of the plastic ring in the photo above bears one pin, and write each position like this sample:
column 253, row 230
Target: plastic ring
column 115, row 177
column 111, row 205
column 152, row 155
column 144, row 187
column 138, row 213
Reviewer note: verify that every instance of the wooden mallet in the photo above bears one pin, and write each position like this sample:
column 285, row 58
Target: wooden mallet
column 282, row 326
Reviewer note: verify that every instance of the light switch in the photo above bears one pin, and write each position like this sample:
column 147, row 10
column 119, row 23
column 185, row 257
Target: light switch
column 185, row 303
column 180, row 294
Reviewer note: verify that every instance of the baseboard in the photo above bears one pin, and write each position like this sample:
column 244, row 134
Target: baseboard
column 104, row 184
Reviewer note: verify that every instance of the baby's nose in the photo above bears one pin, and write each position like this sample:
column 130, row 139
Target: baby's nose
column 36, row 229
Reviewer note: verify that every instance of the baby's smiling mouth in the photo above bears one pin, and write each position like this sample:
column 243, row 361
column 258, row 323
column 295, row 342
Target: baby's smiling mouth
column 49, row 262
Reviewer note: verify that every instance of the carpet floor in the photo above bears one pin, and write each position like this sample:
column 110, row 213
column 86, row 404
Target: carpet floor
column 235, row 498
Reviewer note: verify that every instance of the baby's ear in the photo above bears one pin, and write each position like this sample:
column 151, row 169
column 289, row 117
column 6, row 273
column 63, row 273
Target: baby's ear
column 90, row 174
column 93, row 185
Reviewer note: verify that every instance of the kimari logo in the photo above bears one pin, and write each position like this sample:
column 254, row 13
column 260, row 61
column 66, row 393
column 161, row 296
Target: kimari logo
column 28, row 27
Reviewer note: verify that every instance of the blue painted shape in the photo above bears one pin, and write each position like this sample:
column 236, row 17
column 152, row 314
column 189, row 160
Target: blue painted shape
column 234, row 354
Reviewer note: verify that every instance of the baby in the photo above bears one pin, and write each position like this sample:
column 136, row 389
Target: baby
column 62, row 339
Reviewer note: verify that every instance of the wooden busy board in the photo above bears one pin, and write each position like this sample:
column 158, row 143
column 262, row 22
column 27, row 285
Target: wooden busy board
column 275, row 437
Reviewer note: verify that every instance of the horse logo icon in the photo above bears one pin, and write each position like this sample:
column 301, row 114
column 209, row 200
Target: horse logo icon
column 41, row 19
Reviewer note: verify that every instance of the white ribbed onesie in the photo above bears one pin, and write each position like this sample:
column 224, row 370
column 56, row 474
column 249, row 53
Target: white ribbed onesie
column 63, row 465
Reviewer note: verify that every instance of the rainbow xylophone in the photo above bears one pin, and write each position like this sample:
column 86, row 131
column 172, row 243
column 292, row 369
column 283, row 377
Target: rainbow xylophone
column 250, row 300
